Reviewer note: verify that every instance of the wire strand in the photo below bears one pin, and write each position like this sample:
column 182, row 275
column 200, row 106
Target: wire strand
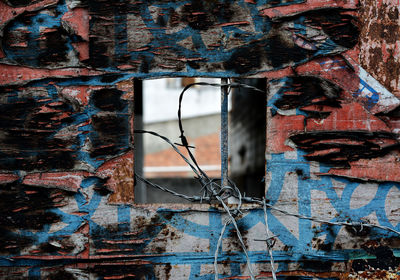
column 212, row 191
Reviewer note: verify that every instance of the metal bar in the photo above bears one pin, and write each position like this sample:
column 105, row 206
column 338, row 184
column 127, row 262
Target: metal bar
column 140, row 190
column 224, row 132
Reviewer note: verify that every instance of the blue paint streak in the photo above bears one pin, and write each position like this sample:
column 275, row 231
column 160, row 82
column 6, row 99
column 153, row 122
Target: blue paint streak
column 124, row 218
column 43, row 19
column 374, row 98
column 198, row 258
column 34, row 273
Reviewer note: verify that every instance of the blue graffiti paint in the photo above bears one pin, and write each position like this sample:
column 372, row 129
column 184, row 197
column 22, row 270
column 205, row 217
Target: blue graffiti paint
column 341, row 204
column 373, row 96
column 162, row 38
column 30, row 28
column 81, row 119
column 124, row 218
column 34, row 273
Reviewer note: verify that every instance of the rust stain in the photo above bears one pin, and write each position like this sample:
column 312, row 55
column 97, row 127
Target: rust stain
column 119, row 175
column 378, row 275
column 379, row 43
column 127, row 87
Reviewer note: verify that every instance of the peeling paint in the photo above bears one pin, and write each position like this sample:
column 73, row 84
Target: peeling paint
column 66, row 137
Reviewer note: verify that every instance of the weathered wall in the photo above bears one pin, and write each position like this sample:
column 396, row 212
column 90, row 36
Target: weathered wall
column 66, row 155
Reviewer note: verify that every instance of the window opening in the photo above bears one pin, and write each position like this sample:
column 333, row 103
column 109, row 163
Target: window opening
column 201, row 119
column 247, row 137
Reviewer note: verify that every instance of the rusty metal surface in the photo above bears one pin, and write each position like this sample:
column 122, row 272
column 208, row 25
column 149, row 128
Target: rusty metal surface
column 66, row 139
column 379, row 44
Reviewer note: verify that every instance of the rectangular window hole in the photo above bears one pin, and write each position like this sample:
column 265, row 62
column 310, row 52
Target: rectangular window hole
column 156, row 109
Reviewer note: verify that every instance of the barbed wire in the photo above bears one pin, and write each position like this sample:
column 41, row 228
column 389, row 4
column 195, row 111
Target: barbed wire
column 213, row 191
column 268, row 241
column 221, row 235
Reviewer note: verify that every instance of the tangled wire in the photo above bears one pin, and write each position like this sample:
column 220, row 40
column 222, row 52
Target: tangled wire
column 214, row 191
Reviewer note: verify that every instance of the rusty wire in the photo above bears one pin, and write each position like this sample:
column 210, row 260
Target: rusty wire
column 212, row 191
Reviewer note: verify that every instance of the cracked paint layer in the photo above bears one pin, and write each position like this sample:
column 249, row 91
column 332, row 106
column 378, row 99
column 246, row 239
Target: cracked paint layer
column 66, row 137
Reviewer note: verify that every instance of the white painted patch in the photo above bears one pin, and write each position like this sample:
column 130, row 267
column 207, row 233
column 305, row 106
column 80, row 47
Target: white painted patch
column 258, row 232
column 187, row 43
column 321, row 206
column 314, row 169
column 288, row 200
column 177, row 272
column 387, row 101
column 198, row 218
column 392, row 206
column 338, row 186
column 105, row 214
column 57, row 227
column 223, row 269
column 363, row 195
column 174, row 241
column 138, row 35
